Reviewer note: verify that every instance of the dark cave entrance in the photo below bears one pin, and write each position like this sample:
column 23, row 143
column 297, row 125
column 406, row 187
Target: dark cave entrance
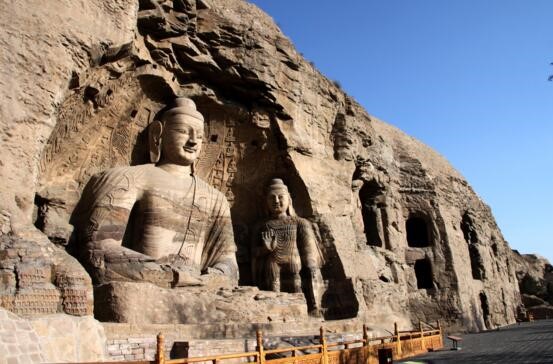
column 468, row 229
column 476, row 264
column 494, row 249
column 471, row 237
column 373, row 212
column 485, row 308
column 417, row 232
column 423, row 272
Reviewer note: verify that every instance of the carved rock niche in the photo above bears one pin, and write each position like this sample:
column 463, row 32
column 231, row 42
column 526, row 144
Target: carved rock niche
column 102, row 125
column 242, row 151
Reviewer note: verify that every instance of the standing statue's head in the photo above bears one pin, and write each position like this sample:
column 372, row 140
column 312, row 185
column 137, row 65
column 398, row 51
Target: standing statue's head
column 177, row 137
column 279, row 202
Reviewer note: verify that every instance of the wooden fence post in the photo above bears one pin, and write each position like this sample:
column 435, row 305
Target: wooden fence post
column 260, row 350
column 160, row 349
column 441, row 334
column 324, row 349
column 366, row 347
column 398, row 340
column 421, row 331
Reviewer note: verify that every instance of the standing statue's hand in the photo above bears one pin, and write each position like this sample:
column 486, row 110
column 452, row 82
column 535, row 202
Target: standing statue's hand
column 314, row 273
column 269, row 240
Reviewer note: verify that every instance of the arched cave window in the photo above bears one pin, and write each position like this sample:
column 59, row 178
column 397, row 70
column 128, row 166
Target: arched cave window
column 423, row 272
column 372, row 213
column 476, row 264
column 467, row 227
column 417, row 232
column 485, row 307
column 494, row 249
column 471, row 237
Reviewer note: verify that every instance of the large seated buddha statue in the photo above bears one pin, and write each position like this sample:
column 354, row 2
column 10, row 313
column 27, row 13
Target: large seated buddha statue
column 157, row 222
column 158, row 241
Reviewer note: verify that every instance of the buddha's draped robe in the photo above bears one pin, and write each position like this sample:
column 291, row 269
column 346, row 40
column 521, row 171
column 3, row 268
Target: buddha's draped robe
column 144, row 209
column 296, row 248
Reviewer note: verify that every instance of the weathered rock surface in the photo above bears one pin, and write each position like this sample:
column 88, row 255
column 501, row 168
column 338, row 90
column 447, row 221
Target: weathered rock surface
column 18, row 340
column 118, row 302
column 43, row 47
column 50, row 339
column 37, row 279
column 535, row 279
column 403, row 235
column 66, row 338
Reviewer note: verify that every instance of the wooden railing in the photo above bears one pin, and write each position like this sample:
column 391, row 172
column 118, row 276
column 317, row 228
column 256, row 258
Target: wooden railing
column 401, row 344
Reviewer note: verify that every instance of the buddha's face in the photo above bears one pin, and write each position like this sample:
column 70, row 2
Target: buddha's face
column 182, row 140
column 278, row 202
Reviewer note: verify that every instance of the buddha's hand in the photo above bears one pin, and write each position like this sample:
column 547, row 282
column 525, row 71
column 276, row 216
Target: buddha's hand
column 175, row 261
column 184, row 274
column 214, row 271
column 186, row 279
column 269, row 240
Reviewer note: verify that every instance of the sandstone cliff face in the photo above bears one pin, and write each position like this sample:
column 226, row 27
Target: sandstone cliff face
column 42, row 46
column 403, row 234
column 535, row 278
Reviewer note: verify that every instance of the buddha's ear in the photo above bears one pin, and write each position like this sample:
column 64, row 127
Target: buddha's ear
column 291, row 211
column 154, row 140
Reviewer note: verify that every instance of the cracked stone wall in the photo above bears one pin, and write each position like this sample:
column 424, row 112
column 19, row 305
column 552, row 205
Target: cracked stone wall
column 535, row 279
column 403, row 234
column 51, row 339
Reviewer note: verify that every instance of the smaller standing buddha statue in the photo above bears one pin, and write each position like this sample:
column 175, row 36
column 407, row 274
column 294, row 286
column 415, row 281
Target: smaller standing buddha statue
column 284, row 245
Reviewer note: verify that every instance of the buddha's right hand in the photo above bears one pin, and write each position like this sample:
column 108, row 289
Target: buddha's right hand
column 183, row 273
column 185, row 278
column 269, row 240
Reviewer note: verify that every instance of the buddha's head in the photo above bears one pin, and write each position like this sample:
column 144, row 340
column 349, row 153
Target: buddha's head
column 177, row 137
column 279, row 202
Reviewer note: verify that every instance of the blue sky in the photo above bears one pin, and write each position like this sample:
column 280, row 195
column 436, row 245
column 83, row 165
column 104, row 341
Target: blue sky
column 466, row 77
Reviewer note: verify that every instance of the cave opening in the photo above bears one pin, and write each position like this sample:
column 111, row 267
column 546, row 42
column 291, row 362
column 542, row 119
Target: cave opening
column 417, row 232
column 471, row 238
column 373, row 213
column 468, row 229
column 41, row 204
column 423, row 272
column 476, row 264
column 485, row 308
